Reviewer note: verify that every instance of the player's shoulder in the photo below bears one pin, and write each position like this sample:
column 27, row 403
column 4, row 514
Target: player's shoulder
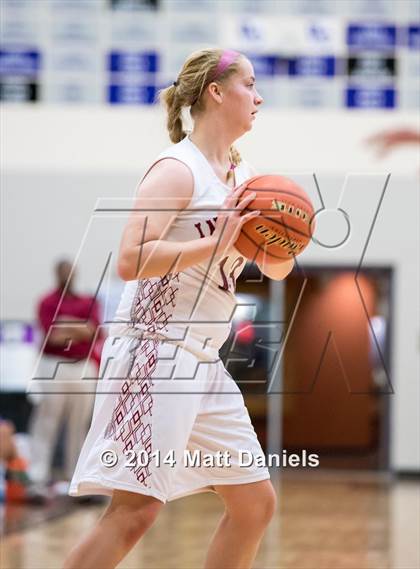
column 171, row 166
column 167, row 176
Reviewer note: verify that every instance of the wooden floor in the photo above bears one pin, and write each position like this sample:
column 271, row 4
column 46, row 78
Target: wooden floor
column 324, row 521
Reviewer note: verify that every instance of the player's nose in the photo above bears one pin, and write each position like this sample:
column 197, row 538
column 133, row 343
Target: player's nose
column 258, row 99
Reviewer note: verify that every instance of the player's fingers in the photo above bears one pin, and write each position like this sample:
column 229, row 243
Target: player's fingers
column 230, row 201
column 238, row 190
column 236, row 193
column 249, row 197
column 250, row 215
column 233, row 197
column 245, row 201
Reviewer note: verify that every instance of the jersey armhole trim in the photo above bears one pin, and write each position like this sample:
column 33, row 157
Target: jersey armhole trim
column 178, row 160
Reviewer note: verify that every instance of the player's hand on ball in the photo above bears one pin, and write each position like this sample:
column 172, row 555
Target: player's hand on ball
column 230, row 221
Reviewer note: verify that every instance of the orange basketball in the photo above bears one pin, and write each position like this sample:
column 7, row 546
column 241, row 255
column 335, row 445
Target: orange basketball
column 285, row 225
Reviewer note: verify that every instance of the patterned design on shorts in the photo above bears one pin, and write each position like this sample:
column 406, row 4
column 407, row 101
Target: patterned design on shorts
column 131, row 421
column 131, row 418
column 154, row 302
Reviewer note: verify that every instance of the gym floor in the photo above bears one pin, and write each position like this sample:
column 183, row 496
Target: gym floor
column 326, row 520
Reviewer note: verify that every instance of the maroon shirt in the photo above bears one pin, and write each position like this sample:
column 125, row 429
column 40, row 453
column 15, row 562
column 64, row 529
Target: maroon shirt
column 81, row 307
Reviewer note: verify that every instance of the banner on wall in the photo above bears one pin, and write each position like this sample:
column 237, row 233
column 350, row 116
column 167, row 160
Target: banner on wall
column 371, row 66
column 19, row 70
column 312, row 53
column 310, row 66
column 371, row 36
column 370, row 98
column 133, row 4
column 132, row 77
column 290, row 36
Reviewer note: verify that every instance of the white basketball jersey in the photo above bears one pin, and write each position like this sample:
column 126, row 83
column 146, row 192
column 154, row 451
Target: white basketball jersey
column 198, row 303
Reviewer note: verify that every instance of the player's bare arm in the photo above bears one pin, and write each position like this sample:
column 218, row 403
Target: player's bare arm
column 167, row 189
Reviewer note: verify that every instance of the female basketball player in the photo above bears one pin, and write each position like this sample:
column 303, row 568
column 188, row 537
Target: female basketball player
column 164, row 389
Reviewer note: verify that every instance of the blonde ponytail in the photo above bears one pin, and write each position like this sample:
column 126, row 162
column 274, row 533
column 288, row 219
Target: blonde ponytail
column 174, row 109
column 235, row 159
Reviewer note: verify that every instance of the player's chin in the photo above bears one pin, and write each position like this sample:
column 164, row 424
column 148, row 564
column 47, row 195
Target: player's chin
column 247, row 124
column 250, row 124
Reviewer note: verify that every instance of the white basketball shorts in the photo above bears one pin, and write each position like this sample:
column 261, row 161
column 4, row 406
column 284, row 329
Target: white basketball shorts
column 165, row 424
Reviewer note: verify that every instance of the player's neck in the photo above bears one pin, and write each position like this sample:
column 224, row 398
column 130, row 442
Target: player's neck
column 213, row 143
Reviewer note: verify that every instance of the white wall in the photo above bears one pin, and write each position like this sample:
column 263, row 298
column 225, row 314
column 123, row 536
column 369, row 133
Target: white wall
column 58, row 162
column 126, row 139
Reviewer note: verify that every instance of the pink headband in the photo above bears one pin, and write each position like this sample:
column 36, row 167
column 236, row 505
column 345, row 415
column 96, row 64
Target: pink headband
column 227, row 58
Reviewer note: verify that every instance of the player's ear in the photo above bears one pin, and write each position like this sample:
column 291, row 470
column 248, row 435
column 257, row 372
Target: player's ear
column 215, row 92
